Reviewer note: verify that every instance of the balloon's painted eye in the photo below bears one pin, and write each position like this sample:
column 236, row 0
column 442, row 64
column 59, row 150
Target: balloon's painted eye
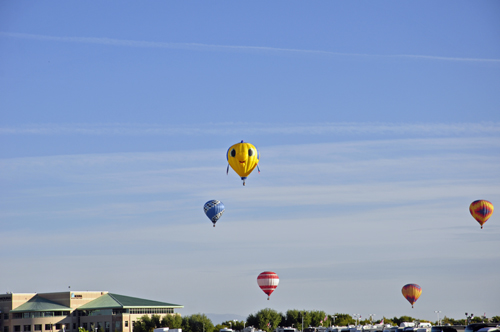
column 233, row 153
column 250, row 152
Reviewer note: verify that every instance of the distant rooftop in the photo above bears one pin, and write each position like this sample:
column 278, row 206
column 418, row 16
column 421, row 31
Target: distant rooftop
column 38, row 303
column 116, row 301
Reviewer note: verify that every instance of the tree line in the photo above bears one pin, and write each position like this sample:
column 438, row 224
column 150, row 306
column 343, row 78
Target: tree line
column 269, row 319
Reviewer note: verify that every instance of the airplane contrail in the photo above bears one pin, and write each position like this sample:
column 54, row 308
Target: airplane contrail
column 211, row 47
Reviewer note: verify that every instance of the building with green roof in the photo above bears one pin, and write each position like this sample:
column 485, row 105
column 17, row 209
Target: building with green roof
column 67, row 311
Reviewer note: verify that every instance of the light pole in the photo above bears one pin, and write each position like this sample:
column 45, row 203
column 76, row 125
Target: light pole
column 357, row 316
column 437, row 312
column 334, row 320
column 468, row 318
column 302, row 314
column 371, row 318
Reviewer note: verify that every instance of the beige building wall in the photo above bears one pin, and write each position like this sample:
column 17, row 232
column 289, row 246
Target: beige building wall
column 19, row 299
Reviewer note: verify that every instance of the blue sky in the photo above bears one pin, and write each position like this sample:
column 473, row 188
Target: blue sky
column 377, row 123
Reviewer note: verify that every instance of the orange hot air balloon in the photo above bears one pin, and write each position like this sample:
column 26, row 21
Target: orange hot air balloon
column 268, row 281
column 481, row 210
column 411, row 292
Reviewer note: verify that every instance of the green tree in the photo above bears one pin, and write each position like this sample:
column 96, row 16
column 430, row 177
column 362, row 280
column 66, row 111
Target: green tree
column 305, row 318
column 317, row 318
column 451, row 321
column 197, row 323
column 343, row 319
column 365, row 321
column 232, row 324
column 218, row 327
column 495, row 319
column 293, row 318
column 147, row 324
column 387, row 320
column 398, row 321
column 264, row 317
column 172, row 321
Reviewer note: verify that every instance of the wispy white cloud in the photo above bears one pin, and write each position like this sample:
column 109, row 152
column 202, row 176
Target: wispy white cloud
column 230, row 128
column 240, row 48
column 315, row 176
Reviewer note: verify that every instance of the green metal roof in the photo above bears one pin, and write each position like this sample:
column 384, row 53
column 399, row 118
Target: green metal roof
column 115, row 301
column 38, row 303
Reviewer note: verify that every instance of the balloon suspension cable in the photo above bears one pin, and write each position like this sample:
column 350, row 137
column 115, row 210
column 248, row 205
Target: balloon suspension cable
column 258, row 168
column 227, row 170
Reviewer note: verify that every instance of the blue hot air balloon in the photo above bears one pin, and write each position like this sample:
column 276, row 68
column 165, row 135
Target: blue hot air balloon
column 214, row 210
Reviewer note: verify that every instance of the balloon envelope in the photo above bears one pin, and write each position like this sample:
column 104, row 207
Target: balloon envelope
column 214, row 210
column 481, row 210
column 243, row 158
column 411, row 292
column 268, row 281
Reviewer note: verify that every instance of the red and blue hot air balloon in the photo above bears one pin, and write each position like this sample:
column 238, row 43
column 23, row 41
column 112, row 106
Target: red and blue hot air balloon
column 411, row 292
column 481, row 210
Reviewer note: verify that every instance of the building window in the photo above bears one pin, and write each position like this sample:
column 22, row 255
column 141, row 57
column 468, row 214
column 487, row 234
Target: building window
column 74, row 326
column 5, row 329
column 140, row 311
column 84, row 325
column 5, row 316
column 38, row 327
column 58, row 326
column 16, row 315
column 27, row 328
column 126, row 323
column 48, row 327
column 17, row 328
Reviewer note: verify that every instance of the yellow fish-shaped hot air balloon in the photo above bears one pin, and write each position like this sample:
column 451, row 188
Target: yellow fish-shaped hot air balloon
column 243, row 158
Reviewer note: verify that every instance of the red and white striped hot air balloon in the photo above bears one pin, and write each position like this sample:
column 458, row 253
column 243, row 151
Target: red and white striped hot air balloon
column 268, row 281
